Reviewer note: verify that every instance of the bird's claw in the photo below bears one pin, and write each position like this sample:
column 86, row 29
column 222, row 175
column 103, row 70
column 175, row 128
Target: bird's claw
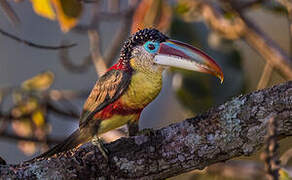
column 96, row 141
column 146, row 132
column 133, row 129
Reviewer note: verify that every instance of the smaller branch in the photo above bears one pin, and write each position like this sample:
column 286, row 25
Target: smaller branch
column 31, row 44
column 9, row 12
column 270, row 155
column 265, row 46
column 97, row 58
column 214, row 16
column 265, row 77
column 290, row 30
column 242, row 27
column 286, row 157
column 102, row 62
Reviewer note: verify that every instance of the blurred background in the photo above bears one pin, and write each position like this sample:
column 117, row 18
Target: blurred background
column 42, row 89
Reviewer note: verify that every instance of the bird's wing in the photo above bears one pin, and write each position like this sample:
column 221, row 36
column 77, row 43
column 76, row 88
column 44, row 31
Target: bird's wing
column 107, row 89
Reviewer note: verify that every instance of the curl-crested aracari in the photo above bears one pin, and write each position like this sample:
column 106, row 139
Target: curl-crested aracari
column 120, row 95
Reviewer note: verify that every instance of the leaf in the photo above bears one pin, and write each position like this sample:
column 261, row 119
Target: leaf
column 39, row 82
column 38, row 118
column 68, row 13
column 152, row 13
column 44, row 8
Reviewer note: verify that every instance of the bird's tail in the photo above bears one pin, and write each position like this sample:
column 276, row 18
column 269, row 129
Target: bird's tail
column 72, row 141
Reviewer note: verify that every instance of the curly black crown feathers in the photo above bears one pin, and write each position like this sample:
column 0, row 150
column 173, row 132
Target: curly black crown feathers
column 140, row 38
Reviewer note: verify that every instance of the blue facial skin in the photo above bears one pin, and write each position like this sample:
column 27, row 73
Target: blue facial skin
column 151, row 44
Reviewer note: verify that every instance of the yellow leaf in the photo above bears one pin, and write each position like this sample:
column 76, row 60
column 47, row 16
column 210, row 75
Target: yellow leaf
column 39, row 82
column 44, row 8
column 38, row 118
column 152, row 13
column 68, row 13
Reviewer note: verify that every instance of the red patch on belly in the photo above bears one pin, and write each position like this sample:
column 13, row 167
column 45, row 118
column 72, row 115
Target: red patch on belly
column 116, row 108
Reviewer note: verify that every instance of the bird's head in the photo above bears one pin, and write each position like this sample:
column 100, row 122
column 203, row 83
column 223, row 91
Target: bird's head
column 150, row 50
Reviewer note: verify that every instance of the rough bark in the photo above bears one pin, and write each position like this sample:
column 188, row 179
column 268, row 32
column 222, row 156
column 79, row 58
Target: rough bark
column 233, row 129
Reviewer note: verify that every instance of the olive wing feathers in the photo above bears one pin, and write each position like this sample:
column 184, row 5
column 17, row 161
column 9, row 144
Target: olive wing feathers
column 107, row 89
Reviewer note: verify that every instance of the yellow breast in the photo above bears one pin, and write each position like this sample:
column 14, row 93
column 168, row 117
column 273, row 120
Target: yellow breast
column 143, row 89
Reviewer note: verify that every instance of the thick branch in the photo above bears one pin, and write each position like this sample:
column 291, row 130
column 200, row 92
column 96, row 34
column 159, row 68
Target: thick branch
column 233, row 129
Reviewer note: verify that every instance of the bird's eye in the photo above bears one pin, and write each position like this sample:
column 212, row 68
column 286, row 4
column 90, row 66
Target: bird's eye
column 151, row 47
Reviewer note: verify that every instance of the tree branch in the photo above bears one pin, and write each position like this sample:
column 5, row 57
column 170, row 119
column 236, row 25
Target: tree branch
column 240, row 26
column 98, row 61
column 267, row 48
column 31, row 44
column 230, row 130
column 9, row 12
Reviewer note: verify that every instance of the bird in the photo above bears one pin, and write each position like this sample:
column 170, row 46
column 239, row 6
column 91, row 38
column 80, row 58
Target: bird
column 121, row 94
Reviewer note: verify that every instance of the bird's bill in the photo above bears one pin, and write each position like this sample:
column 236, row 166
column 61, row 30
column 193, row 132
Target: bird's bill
column 177, row 54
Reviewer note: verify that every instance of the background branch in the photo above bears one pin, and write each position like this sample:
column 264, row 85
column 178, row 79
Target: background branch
column 9, row 12
column 241, row 26
column 96, row 56
column 230, row 130
column 265, row 76
column 31, row 44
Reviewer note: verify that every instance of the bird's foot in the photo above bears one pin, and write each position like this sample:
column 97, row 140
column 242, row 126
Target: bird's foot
column 133, row 129
column 98, row 142
column 146, row 132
